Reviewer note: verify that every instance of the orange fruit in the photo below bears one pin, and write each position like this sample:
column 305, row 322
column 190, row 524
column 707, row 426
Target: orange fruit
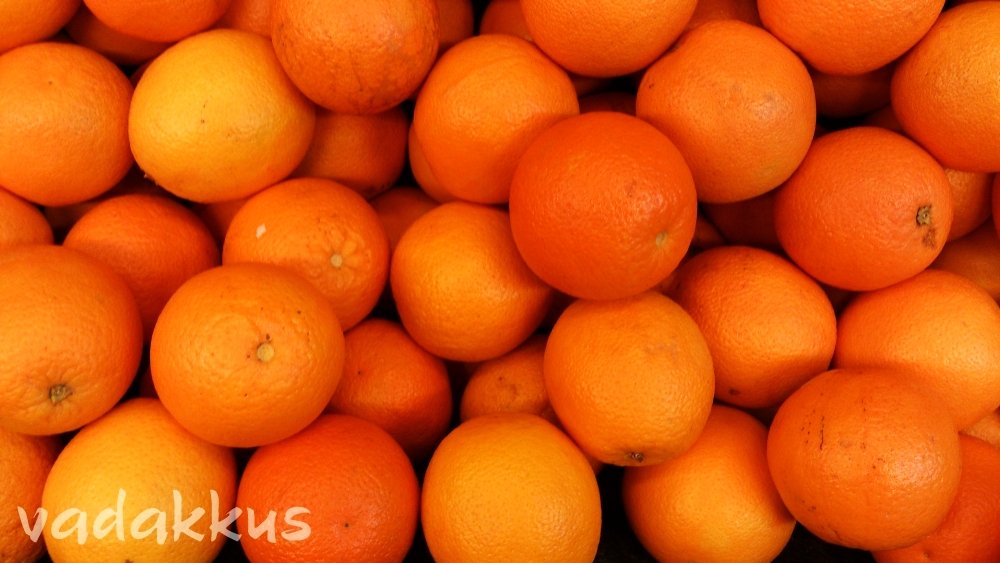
column 356, row 57
column 73, row 335
column 969, row 532
column 944, row 90
column 456, row 22
column 24, row 464
column 30, row 22
column 64, row 134
column 840, row 96
column 940, row 329
column 460, row 287
column 323, row 231
column 523, row 467
column 422, row 172
column 986, row 429
column 153, row 20
column 742, row 121
column 769, row 326
column 198, row 130
column 711, row 10
column 866, row 209
column 714, row 502
column 748, row 222
column 217, row 216
column 622, row 102
column 504, row 17
column 864, row 459
column 21, row 222
column 85, row 29
column 63, row 217
column 363, row 152
column 606, row 38
column 132, row 475
column 482, row 104
column 248, row 15
column 975, row 256
column 602, row 206
column 398, row 208
column 512, row 382
column 155, row 244
column 971, row 194
column 630, row 379
column 838, row 38
column 246, row 354
column 343, row 488
column 389, row 380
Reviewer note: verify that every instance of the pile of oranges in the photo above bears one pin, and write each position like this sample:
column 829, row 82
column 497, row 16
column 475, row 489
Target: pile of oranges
column 326, row 280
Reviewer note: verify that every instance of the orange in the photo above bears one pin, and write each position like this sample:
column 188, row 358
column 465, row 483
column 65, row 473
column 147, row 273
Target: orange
column 363, row 152
column 422, row 172
column 605, row 37
column 938, row 327
column 24, row 465
column 21, row 222
column 460, row 287
column 512, row 382
column 217, row 216
column 969, row 532
column 944, row 90
column 867, row 208
column 622, row 102
column 864, row 459
column 323, row 231
column 127, row 479
column 630, row 379
column 482, row 104
column 199, row 131
column 356, row 57
column 155, row 244
column 975, row 256
column 840, row 96
column 986, row 429
column 398, row 208
column 85, row 29
column 73, row 339
column 246, row 354
column 747, row 222
column 340, row 490
column 64, row 132
column 711, row 10
column 854, row 38
column 63, row 217
column 248, row 15
column 505, row 17
column 602, row 206
column 519, row 466
column 391, row 381
column 456, row 22
column 29, row 22
column 714, row 502
column 769, row 326
column 154, row 20
column 739, row 105
column 971, row 194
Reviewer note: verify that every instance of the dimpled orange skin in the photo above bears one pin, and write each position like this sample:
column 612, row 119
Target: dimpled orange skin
column 738, row 104
column 73, row 339
column 864, row 459
column 938, row 327
column 866, row 208
column 28, row 22
column 631, row 380
column 24, row 465
column 602, row 206
column 21, row 222
column 510, row 487
column 156, row 20
column 246, row 354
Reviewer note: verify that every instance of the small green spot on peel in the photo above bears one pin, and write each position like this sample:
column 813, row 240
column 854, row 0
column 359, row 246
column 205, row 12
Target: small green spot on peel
column 265, row 352
column 661, row 239
column 336, row 260
column 59, row 392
